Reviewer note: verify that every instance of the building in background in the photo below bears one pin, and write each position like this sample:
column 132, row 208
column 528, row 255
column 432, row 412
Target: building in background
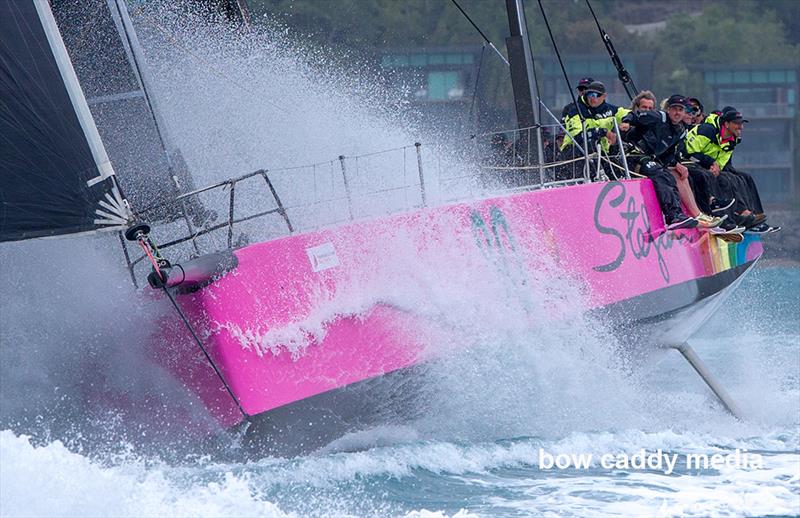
column 439, row 82
column 767, row 97
column 597, row 66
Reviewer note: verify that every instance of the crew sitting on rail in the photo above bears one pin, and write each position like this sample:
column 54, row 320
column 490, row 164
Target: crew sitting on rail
column 598, row 115
column 688, row 116
column 714, row 194
column 658, row 136
column 704, row 218
column 580, row 89
column 643, row 102
column 698, row 115
column 723, row 187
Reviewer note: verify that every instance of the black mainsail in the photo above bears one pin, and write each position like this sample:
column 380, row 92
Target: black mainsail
column 55, row 175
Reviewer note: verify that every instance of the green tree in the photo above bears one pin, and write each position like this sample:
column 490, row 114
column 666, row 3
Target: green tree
column 720, row 35
column 699, row 32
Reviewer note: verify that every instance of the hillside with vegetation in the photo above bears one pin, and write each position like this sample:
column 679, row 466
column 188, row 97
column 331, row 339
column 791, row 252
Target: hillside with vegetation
column 677, row 33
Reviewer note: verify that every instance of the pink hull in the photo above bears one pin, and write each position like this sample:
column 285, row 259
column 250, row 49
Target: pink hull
column 272, row 327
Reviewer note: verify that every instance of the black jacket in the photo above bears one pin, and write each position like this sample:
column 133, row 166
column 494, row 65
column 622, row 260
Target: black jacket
column 655, row 135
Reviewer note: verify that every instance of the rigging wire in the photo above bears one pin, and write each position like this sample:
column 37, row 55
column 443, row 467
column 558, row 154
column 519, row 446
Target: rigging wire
column 533, row 64
column 558, row 55
column 477, row 81
column 152, row 253
column 569, row 89
column 624, row 76
column 485, row 38
column 539, row 99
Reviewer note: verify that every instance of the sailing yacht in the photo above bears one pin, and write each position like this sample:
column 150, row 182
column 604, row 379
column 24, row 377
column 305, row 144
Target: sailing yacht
column 257, row 351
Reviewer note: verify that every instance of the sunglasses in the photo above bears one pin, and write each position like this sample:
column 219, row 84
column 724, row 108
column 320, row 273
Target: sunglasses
column 593, row 95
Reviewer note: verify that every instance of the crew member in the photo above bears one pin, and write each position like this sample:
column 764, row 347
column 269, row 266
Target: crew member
column 598, row 115
column 698, row 111
column 658, row 135
column 644, row 101
column 711, row 144
column 580, row 89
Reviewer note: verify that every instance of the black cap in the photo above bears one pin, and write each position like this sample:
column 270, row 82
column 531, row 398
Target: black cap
column 584, row 83
column 731, row 114
column 596, row 86
column 677, row 100
column 695, row 100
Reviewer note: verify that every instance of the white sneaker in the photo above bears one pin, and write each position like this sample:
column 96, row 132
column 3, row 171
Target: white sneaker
column 706, row 221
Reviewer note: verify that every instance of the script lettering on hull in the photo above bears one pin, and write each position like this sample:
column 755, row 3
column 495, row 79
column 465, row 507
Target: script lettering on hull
column 615, row 209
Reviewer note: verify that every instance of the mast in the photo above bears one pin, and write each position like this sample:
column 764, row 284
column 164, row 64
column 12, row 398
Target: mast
column 523, row 75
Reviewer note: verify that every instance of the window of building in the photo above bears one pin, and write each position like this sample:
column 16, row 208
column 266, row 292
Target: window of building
column 777, row 76
column 418, row 60
column 394, row 60
column 759, row 76
column 741, row 77
column 737, row 96
column 597, row 68
column 443, row 86
column 422, row 59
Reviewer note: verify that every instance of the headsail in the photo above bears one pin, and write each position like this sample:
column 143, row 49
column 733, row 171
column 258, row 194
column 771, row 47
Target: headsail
column 55, row 176
column 109, row 63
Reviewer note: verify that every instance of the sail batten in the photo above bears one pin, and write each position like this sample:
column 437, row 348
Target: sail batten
column 54, row 169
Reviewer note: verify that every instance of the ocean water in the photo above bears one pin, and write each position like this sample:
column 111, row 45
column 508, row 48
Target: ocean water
column 89, row 427
column 484, row 449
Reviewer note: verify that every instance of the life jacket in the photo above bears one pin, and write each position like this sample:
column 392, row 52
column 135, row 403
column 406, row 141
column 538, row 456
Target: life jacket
column 707, row 144
column 599, row 121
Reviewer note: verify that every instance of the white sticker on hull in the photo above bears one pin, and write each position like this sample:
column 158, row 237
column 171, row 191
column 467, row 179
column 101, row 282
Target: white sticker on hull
column 322, row 257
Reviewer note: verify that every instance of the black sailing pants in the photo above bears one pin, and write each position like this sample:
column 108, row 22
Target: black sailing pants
column 748, row 188
column 665, row 186
column 732, row 187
